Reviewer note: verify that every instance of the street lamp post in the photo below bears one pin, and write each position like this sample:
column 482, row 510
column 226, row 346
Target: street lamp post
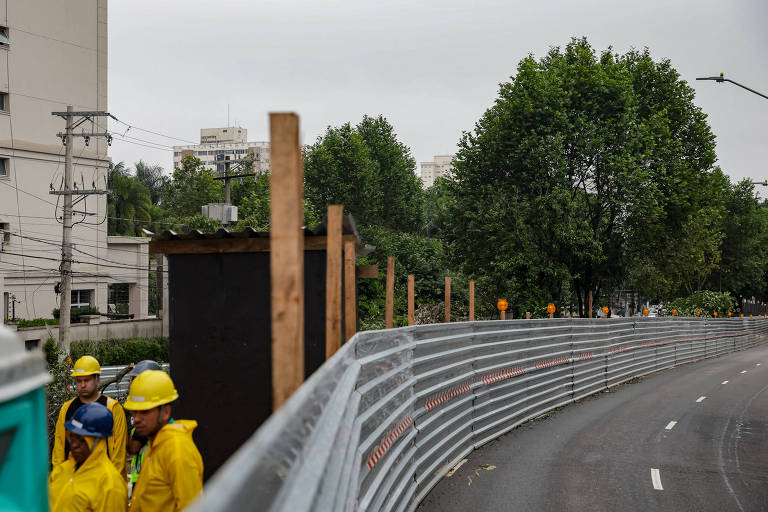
column 720, row 79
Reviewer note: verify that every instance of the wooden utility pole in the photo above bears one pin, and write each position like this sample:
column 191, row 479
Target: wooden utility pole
column 447, row 299
column 350, row 290
column 590, row 303
column 286, row 257
column 69, row 191
column 333, row 269
column 471, row 301
column 229, row 177
column 411, row 305
column 390, row 305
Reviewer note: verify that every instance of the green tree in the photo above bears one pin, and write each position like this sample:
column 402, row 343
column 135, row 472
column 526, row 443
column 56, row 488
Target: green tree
column 191, row 186
column 565, row 176
column 152, row 178
column 128, row 202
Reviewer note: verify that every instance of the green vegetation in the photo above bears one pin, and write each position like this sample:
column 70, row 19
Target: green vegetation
column 36, row 322
column 121, row 352
column 705, row 301
column 76, row 313
column 591, row 172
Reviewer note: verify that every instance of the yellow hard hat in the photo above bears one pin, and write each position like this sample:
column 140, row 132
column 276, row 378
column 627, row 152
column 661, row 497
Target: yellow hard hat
column 86, row 365
column 150, row 389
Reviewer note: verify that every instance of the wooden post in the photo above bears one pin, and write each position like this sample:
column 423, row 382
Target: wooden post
column 503, row 315
column 447, row 299
column 527, row 315
column 471, row 301
column 286, row 259
column 350, row 290
column 590, row 303
column 411, row 293
column 333, row 281
column 551, row 315
column 390, row 306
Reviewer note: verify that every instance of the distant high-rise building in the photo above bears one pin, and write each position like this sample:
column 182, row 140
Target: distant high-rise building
column 218, row 143
column 440, row 166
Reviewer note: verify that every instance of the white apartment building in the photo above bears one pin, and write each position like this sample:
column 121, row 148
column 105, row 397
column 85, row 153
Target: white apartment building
column 54, row 54
column 440, row 166
column 218, row 143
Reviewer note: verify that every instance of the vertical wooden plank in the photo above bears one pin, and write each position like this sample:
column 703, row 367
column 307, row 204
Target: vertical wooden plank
column 590, row 303
column 390, row 306
column 527, row 315
column 333, row 281
column 503, row 315
column 286, row 260
column 411, row 300
column 447, row 299
column 471, row 301
column 350, row 290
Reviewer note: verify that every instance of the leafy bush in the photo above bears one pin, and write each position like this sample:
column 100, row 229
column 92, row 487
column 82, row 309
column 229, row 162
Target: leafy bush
column 122, row 352
column 60, row 389
column 75, row 313
column 705, row 301
column 37, row 322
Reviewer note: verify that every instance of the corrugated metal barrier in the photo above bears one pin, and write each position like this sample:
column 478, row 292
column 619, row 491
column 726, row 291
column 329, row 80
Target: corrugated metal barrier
column 380, row 423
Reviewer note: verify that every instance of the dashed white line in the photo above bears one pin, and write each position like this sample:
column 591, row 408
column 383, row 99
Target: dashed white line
column 670, row 425
column 758, row 364
column 656, row 479
column 725, row 382
column 743, row 371
column 700, row 399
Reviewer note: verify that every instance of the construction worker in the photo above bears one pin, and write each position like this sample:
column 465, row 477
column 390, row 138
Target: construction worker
column 137, row 444
column 172, row 473
column 87, row 374
column 87, row 480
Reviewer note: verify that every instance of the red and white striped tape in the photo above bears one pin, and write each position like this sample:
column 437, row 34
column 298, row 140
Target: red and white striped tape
column 441, row 397
column 389, row 439
column 500, row 375
column 546, row 363
column 585, row 356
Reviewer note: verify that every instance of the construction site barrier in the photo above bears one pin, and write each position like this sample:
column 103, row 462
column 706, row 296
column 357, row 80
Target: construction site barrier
column 383, row 420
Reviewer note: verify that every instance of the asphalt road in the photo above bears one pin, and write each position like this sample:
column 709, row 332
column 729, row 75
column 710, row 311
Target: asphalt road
column 599, row 454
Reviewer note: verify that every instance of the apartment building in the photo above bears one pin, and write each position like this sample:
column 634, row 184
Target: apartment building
column 218, row 143
column 54, row 54
column 440, row 166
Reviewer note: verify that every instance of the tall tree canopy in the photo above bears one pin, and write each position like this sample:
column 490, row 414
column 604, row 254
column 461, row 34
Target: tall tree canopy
column 582, row 162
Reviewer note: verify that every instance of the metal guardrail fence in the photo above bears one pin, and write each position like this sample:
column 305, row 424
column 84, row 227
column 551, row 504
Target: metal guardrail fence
column 119, row 391
column 380, row 423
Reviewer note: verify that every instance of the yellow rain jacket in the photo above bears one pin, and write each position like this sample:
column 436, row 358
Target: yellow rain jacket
column 96, row 486
column 172, row 473
column 116, row 443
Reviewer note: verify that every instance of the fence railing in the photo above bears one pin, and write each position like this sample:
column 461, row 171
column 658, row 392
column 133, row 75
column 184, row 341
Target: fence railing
column 119, row 391
column 380, row 423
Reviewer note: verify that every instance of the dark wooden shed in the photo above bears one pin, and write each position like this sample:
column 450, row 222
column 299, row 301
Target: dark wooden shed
column 220, row 328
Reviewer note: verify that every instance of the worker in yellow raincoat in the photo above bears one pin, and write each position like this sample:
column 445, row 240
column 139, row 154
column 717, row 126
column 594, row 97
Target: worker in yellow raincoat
column 87, row 480
column 87, row 374
column 172, row 472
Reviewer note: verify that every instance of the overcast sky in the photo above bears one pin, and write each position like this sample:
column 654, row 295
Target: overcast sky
column 431, row 67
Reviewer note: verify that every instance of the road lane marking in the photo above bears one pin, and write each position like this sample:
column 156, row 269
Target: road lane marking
column 743, row 371
column 656, row 479
column 700, row 399
column 670, row 425
column 758, row 364
column 725, row 382
column 456, row 467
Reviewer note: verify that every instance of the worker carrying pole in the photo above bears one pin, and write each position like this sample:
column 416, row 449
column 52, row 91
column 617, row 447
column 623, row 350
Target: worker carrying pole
column 171, row 476
column 88, row 480
column 87, row 374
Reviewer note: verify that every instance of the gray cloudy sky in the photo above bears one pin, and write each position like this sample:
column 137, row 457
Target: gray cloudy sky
column 431, row 67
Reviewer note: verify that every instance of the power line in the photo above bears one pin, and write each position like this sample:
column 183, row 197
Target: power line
column 154, row 133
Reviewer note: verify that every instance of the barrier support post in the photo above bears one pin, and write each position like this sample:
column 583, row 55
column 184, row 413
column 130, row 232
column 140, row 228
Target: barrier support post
column 350, row 290
column 390, row 305
column 333, row 269
column 471, row 301
column 447, row 299
column 411, row 319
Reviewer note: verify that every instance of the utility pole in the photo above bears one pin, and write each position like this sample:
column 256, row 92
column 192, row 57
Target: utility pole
column 229, row 177
column 66, row 235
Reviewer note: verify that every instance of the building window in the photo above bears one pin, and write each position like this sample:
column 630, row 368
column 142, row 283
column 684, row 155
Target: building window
column 5, row 233
column 4, row 41
column 5, row 164
column 4, row 107
column 81, row 298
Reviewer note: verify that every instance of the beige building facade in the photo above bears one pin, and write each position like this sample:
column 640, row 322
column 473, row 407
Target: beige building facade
column 54, row 54
column 218, row 143
column 440, row 166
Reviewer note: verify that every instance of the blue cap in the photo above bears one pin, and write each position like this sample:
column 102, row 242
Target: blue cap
column 92, row 420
